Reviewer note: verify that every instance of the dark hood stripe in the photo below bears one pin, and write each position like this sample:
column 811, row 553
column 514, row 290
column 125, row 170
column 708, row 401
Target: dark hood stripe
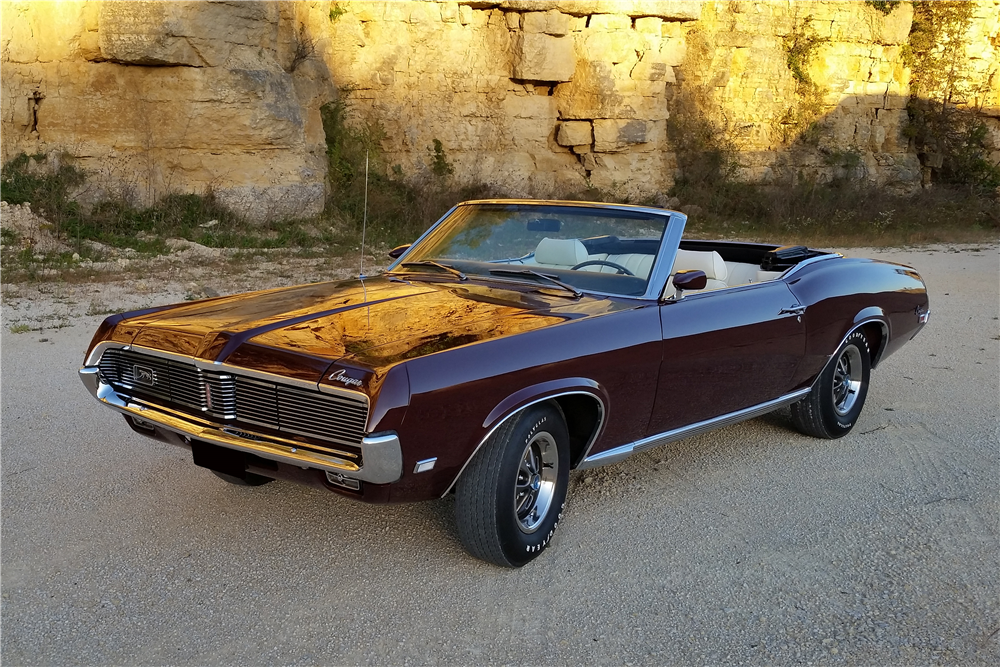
column 238, row 339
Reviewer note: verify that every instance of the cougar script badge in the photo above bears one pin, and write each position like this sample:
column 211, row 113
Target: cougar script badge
column 342, row 376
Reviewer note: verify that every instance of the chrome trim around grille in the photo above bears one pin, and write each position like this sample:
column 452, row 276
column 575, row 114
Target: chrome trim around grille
column 95, row 355
column 231, row 394
column 624, row 451
column 381, row 454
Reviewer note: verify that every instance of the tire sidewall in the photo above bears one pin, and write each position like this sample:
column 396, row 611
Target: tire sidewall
column 520, row 547
column 837, row 424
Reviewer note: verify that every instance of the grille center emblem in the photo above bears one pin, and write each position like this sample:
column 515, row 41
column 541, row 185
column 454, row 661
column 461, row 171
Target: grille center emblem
column 144, row 375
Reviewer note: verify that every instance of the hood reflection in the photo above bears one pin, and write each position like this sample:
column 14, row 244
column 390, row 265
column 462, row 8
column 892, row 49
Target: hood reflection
column 389, row 331
column 374, row 323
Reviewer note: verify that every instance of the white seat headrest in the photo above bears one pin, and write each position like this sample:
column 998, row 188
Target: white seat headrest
column 710, row 262
column 560, row 252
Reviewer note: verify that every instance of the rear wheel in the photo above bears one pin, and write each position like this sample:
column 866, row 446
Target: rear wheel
column 511, row 496
column 833, row 406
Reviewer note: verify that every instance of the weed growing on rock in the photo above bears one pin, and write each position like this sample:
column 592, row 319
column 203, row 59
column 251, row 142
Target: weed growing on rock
column 440, row 165
column 399, row 208
column 884, row 6
column 800, row 47
column 800, row 119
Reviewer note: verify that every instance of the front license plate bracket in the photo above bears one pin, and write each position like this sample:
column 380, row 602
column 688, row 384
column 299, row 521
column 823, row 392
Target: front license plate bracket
column 220, row 459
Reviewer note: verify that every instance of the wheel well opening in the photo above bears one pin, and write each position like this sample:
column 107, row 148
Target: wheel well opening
column 876, row 340
column 583, row 417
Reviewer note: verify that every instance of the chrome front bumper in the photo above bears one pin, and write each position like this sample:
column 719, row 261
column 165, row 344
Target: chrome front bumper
column 381, row 455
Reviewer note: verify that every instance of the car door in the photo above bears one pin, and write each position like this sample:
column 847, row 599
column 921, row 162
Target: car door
column 724, row 351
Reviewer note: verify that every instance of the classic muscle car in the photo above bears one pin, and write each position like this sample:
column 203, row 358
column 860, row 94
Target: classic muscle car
column 512, row 342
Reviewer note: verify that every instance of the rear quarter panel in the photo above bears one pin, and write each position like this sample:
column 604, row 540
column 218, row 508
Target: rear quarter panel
column 841, row 293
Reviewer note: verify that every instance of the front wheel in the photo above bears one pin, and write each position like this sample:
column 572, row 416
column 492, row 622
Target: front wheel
column 833, row 406
column 510, row 498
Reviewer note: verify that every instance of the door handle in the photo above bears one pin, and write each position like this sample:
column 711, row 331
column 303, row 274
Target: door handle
column 793, row 310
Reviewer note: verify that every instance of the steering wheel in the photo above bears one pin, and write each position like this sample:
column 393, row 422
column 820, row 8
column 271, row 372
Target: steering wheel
column 603, row 262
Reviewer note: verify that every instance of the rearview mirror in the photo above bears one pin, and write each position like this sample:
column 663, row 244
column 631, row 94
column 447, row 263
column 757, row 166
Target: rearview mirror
column 544, row 225
column 398, row 251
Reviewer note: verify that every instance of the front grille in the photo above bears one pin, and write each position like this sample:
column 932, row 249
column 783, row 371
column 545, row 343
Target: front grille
column 236, row 398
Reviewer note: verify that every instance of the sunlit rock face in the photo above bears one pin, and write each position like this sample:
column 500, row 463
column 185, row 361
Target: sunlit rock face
column 549, row 97
column 983, row 62
column 539, row 97
column 158, row 97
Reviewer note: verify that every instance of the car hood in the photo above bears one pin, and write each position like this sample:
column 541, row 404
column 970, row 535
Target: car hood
column 371, row 324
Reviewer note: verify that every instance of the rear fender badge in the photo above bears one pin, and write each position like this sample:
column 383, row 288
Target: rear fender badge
column 144, row 375
column 342, row 376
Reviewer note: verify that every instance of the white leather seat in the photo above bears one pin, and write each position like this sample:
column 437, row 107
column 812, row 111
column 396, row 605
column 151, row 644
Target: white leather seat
column 637, row 263
column 710, row 262
column 763, row 276
column 561, row 253
column 741, row 273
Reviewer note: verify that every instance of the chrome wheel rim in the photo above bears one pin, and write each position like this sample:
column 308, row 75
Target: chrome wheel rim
column 535, row 485
column 847, row 380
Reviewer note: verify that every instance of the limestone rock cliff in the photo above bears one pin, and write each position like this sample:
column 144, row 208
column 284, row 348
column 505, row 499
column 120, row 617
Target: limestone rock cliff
column 540, row 97
column 155, row 97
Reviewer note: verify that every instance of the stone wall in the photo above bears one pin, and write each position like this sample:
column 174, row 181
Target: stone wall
column 846, row 109
column 982, row 63
column 158, row 97
column 540, row 97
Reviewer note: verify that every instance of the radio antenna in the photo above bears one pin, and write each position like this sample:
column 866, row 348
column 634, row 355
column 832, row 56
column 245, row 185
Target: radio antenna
column 364, row 222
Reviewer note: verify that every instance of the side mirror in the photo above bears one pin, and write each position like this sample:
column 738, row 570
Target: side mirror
column 687, row 280
column 398, row 251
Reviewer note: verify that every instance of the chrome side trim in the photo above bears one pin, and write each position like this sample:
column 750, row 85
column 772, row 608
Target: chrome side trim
column 382, row 457
column 620, row 453
column 590, row 443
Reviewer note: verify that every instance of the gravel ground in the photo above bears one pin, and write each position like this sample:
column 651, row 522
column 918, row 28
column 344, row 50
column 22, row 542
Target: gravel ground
column 749, row 545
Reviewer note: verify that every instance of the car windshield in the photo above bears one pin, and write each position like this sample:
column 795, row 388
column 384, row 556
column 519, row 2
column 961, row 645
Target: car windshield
column 562, row 247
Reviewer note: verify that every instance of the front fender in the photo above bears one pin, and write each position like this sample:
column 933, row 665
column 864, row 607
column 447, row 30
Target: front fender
column 541, row 391
column 538, row 393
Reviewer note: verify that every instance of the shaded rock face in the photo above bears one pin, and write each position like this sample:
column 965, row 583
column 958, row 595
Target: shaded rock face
column 539, row 97
column 154, row 97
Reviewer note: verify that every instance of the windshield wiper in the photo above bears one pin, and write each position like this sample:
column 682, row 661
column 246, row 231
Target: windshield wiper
column 450, row 269
column 530, row 272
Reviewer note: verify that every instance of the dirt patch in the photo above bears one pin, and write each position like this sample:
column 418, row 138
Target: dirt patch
column 29, row 230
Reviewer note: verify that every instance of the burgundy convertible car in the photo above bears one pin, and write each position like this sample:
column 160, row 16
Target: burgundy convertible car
column 514, row 341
